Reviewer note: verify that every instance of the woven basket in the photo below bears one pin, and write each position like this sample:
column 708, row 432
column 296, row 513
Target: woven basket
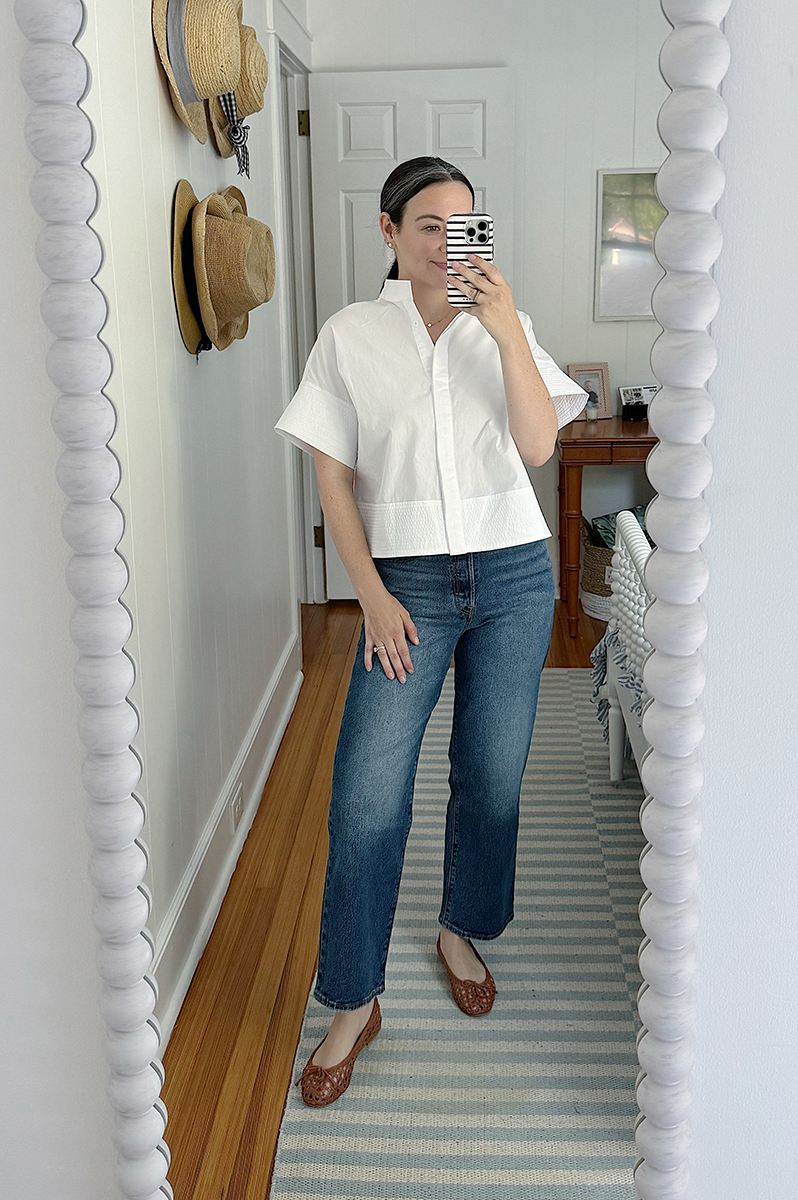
column 595, row 592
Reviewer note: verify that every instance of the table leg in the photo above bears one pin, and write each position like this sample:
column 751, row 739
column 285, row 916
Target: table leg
column 573, row 544
column 561, row 525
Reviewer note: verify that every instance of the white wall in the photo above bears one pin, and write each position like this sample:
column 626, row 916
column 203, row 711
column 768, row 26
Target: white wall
column 297, row 8
column 54, row 1115
column 746, row 1098
column 588, row 94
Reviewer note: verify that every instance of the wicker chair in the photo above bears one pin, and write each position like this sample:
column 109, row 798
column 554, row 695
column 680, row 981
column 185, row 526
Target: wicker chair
column 618, row 687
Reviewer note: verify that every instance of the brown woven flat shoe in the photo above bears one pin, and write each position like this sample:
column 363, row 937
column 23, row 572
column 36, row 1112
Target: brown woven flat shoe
column 475, row 999
column 322, row 1085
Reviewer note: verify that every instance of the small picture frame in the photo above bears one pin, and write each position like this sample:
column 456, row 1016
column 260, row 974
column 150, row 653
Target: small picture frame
column 593, row 377
column 643, row 393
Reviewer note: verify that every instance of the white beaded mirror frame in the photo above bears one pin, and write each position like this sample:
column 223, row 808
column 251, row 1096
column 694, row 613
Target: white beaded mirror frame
column 59, row 135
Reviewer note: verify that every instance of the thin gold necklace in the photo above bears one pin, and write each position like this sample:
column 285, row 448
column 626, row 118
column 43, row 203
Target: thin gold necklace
column 429, row 324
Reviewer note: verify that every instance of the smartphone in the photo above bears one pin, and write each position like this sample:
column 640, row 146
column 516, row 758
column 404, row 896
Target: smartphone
column 467, row 233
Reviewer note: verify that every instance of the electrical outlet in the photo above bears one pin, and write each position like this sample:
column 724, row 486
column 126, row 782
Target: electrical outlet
column 237, row 806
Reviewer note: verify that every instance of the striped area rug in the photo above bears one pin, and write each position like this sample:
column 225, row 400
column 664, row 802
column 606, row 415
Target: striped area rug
column 533, row 1101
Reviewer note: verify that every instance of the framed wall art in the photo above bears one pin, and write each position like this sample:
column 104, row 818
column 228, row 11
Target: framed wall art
column 628, row 214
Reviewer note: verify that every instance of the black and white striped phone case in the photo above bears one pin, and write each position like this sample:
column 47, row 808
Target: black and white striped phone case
column 467, row 233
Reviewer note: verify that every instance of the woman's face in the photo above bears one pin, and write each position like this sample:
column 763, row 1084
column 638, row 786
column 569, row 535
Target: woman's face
column 420, row 243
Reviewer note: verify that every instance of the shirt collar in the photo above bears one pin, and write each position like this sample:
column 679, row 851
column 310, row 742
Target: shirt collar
column 398, row 291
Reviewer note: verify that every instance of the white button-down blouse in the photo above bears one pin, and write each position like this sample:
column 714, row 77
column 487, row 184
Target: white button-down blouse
column 424, row 425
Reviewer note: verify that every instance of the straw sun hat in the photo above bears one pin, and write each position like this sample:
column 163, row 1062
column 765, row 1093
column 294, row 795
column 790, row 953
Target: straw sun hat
column 222, row 266
column 199, row 46
column 248, row 91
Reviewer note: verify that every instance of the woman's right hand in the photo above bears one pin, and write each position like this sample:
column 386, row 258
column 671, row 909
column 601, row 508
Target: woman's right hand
column 386, row 622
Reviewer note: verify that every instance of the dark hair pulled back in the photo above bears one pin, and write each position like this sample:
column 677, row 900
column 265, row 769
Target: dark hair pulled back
column 409, row 178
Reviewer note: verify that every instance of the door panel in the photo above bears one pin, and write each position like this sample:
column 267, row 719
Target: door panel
column 362, row 125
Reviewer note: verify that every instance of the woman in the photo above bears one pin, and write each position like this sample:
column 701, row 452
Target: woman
column 442, row 537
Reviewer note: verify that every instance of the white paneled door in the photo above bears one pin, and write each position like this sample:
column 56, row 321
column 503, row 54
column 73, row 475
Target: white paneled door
column 362, row 125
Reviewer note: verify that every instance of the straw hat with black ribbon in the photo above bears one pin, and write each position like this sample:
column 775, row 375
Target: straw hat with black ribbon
column 199, row 45
column 222, row 266
column 248, row 93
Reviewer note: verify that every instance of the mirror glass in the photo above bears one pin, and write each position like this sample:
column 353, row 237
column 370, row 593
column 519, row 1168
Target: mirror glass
column 536, row 1097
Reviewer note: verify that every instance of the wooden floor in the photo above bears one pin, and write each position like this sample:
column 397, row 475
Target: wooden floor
column 228, row 1061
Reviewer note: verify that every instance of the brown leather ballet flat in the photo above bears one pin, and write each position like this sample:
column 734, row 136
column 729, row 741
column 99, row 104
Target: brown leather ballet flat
column 474, row 999
column 322, row 1085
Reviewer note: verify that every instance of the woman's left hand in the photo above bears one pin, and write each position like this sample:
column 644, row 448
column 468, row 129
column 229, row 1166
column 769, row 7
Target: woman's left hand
column 494, row 305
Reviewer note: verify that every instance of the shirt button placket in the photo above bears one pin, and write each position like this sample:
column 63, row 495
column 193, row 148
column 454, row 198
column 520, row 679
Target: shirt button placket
column 444, row 428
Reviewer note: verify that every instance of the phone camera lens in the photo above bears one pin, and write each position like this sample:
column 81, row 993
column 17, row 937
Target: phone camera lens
column 483, row 237
column 482, row 225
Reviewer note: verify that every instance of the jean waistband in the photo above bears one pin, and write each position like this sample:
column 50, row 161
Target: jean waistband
column 500, row 551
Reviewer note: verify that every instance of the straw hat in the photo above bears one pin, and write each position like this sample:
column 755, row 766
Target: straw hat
column 248, row 91
column 189, row 317
column 199, row 45
column 232, row 267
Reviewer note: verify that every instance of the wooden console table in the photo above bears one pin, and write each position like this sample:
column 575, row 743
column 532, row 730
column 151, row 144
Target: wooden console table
column 580, row 443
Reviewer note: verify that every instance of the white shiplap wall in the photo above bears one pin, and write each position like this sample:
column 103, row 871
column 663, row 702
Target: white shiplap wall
column 203, row 481
column 589, row 91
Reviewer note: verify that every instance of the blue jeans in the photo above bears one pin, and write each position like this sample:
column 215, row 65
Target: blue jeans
column 492, row 609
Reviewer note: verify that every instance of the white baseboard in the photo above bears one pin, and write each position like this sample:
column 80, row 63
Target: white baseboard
column 187, row 924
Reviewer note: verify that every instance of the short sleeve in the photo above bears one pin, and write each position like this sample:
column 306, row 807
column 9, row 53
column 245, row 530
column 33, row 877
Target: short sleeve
column 568, row 397
column 320, row 415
